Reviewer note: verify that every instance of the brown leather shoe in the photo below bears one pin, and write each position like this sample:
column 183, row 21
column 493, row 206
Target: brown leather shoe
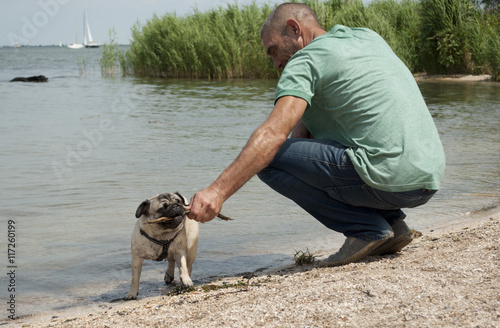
column 353, row 250
column 402, row 237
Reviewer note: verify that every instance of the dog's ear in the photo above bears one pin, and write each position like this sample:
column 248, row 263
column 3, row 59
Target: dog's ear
column 142, row 209
column 184, row 200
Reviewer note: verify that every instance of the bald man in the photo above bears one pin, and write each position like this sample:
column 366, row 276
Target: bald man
column 362, row 142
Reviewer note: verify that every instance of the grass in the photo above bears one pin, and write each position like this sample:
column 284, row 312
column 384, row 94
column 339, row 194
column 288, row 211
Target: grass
column 181, row 289
column 433, row 36
column 303, row 257
column 82, row 66
column 113, row 61
column 445, row 25
column 209, row 288
column 221, row 43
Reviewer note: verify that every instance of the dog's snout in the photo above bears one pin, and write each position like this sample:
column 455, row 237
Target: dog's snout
column 174, row 210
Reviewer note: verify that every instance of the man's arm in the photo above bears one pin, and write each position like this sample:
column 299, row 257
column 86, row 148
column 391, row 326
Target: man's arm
column 256, row 155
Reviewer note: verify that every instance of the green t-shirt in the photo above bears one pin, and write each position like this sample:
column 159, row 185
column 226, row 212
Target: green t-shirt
column 361, row 95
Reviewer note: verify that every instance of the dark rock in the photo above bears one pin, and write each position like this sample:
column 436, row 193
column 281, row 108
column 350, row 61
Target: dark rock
column 39, row 78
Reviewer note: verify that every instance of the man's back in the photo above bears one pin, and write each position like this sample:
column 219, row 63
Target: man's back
column 361, row 95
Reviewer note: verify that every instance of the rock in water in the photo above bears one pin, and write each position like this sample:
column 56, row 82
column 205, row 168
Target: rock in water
column 39, row 78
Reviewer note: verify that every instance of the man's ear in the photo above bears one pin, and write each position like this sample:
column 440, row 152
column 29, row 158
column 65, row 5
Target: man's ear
column 294, row 26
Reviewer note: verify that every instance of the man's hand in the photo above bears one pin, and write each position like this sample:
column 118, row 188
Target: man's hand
column 205, row 205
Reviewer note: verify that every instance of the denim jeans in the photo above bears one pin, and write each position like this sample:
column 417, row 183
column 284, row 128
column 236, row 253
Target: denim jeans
column 319, row 176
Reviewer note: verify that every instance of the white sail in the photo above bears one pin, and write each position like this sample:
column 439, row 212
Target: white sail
column 87, row 36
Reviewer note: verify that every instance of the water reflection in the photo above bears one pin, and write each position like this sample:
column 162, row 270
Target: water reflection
column 450, row 92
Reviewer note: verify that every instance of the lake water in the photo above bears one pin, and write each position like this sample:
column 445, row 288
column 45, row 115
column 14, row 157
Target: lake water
column 79, row 154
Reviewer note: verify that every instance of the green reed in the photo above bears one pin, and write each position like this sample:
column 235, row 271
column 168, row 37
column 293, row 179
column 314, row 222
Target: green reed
column 457, row 37
column 82, row 66
column 493, row 54
column 396, row 21
column 113, row 61
column 435, row 36
column 221, row 43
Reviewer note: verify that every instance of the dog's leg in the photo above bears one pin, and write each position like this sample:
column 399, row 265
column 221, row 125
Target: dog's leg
column 183, row 270
column 136, row 276
column 190, row 268
column 169, row 274
column 191, row 255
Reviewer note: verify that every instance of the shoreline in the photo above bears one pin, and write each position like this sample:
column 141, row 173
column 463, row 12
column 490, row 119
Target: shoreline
column 447, row 277
column 453, row 77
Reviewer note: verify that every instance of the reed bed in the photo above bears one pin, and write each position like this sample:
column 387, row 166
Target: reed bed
column 221, row 43
column 113, row 61
column 433, row 36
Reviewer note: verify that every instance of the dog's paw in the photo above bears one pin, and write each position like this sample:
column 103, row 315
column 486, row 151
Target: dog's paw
column 168, row 279
column 130, row 297
column 186, row 281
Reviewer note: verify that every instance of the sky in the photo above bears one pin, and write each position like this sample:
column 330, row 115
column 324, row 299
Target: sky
column 49, row 22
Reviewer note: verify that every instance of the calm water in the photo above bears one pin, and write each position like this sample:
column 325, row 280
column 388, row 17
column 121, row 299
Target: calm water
column 79, row 154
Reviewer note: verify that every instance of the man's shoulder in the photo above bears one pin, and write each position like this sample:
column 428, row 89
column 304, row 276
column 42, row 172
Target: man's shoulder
column 340, row 34
column 339, row 29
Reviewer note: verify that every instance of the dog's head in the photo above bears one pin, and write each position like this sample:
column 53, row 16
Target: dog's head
column 168, row 205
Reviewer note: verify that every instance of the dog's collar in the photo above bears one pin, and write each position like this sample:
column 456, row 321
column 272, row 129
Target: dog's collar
column 165, row 244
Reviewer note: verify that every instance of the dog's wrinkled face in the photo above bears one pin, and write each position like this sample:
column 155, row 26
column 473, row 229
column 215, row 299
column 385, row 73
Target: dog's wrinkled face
column 168, row 205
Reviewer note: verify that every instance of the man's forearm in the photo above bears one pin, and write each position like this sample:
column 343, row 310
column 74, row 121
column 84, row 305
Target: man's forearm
column 262, row 146
column 256, row 155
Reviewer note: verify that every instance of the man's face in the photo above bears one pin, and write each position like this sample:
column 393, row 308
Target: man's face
column 280, row 48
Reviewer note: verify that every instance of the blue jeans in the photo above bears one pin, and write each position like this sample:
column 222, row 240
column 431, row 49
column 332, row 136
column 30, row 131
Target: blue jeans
column 319, row 176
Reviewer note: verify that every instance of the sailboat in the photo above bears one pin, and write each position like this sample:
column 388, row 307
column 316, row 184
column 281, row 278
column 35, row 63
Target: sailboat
column 87, row 36
column 75, row 45
column 18, row 44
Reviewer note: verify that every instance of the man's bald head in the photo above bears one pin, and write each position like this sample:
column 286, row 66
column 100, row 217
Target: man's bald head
column 277, row 20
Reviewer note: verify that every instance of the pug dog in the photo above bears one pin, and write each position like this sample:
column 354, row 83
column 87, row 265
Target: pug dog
column 163, row 232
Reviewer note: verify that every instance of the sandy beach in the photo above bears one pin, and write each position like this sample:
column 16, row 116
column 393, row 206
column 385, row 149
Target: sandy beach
column 445, row 278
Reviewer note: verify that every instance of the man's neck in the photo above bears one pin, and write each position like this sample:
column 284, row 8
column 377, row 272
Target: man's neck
column 313, row 34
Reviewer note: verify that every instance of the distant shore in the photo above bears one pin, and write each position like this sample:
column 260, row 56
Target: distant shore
column 453, row 77
column 446, row 278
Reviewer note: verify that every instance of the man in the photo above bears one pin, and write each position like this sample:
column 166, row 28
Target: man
column 363, row 144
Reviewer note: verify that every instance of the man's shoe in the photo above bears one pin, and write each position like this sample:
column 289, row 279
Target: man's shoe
column 402, row 237
column 353, row 250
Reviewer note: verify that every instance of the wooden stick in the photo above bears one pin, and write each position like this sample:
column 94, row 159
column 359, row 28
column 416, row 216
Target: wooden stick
column 160, row 220
column 223, row 217
column 220, row 216
column 166, row 219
